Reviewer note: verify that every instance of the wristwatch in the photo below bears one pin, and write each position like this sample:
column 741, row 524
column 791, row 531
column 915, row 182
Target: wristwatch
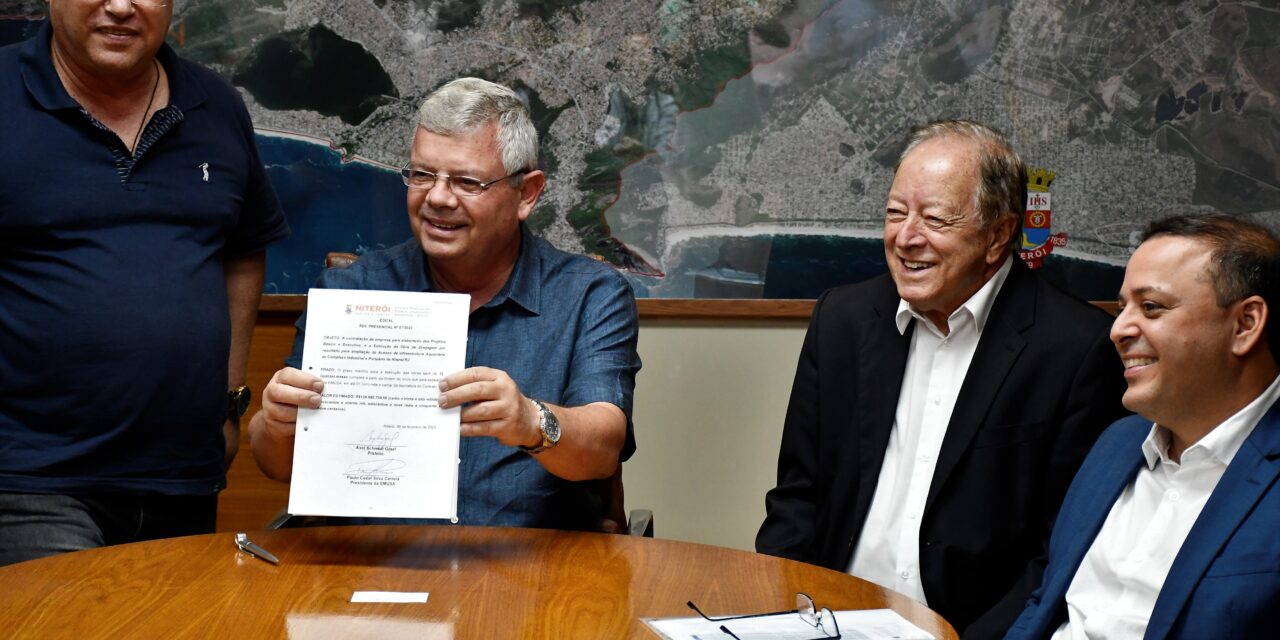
column 549, row 426
column 238, row 402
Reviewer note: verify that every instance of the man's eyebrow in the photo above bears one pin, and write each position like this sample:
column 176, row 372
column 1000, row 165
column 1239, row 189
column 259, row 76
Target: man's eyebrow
column 1143, row 290
column 465, row 173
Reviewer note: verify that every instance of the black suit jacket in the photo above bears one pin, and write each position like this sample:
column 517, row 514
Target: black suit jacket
column 1044, row 381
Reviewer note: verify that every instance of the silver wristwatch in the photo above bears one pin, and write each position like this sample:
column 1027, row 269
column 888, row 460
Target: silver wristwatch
column 549, row 426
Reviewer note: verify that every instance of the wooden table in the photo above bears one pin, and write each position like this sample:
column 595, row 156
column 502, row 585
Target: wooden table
column 484, row 583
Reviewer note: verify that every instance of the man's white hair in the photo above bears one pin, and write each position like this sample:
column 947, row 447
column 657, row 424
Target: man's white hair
column 467, row 104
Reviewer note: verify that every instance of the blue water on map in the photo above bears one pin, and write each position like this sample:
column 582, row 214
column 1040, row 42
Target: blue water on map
column 331, row 206
column 357, row 207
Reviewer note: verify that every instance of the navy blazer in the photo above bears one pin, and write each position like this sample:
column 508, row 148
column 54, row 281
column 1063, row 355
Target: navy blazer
column 1044, row 381
column 1224, row 582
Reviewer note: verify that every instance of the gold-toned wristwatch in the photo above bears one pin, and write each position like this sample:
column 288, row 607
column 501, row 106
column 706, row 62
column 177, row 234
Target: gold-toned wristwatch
column 549, row 426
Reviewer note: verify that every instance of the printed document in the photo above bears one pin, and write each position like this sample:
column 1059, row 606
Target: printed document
column 870, row 624
column 379, row 445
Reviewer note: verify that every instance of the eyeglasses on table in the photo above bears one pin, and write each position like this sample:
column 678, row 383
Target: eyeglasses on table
column 808, row 612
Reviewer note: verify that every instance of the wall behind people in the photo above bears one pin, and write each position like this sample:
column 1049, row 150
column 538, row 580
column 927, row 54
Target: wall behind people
column 681, row 136
column 710, row 402
column 682, row 131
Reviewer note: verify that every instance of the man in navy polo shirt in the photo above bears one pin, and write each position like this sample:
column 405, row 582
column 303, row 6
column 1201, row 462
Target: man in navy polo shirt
column 551, row 342
column 134, row 211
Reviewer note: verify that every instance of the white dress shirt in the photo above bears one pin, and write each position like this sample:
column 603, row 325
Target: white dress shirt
column 888, row 551
column 1115, row 588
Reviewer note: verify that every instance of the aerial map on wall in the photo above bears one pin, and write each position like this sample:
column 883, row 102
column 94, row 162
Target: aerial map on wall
column 744, row 148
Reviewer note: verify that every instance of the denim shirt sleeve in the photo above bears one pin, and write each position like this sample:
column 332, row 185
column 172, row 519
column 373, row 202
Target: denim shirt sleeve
column 605, row 362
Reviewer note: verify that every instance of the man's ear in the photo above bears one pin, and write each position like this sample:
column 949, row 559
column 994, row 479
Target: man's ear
column 531, row 187
column 1250, row 328
column 1002, row 231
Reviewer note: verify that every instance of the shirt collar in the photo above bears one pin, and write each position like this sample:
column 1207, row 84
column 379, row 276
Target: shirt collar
column 418, row 277
column 45, row 86
column 39, row 75
column 978, row 306
column 184, row 92
column 1222, row 442
column 523, row 286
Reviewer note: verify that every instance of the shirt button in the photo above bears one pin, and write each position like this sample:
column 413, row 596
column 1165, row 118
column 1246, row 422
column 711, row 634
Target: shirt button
column 905, row 575
column 1173, row 495
column 936, row 400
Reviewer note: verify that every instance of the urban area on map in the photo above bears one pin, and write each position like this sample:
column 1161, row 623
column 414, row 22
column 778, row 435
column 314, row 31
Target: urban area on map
column 743, row 148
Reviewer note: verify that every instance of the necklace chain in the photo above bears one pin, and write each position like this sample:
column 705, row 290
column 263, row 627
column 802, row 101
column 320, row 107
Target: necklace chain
column 150, row 101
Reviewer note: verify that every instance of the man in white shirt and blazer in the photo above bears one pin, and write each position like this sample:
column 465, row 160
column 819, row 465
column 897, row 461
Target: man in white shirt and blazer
column 1172, row 529
column 940, row 411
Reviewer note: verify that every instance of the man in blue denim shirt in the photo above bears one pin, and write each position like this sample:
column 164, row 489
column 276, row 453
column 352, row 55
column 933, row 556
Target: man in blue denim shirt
column 551, row 344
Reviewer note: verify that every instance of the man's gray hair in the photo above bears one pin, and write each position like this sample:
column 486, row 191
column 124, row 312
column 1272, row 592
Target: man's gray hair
column 467, row 104
column 1002, row 176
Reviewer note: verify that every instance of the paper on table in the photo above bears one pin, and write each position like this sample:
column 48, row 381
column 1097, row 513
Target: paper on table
column 384, row 626
column 379, row 445
column 419, row 597
column 870, row 624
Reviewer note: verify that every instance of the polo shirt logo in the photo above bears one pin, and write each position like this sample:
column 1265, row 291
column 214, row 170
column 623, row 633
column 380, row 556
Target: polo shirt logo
column 204, row 167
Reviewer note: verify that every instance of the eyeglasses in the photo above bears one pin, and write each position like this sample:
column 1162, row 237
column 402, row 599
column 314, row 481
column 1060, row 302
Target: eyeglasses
column 816, row 618
column 459, row 185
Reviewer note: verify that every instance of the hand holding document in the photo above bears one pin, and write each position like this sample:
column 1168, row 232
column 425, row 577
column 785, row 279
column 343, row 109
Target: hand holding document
column 379, row 446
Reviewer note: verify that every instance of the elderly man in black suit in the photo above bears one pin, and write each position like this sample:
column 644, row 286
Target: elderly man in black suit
column 939, row 412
